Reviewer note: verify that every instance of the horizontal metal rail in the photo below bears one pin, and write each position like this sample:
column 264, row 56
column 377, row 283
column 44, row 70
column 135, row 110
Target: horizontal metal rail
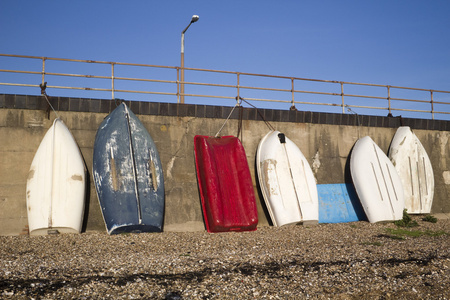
column 288, row 95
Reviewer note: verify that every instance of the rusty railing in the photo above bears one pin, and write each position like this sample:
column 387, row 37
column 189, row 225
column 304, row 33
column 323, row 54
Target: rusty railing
column 214, row 87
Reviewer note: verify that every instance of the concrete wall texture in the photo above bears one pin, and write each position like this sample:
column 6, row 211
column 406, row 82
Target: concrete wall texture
column 325, row 139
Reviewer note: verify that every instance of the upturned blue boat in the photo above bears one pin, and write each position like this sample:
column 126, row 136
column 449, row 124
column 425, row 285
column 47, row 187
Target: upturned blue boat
column 338, row 203
column 128, row 174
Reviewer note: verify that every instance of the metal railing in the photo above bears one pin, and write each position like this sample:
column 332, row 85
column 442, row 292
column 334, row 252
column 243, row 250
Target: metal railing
column 314, row 94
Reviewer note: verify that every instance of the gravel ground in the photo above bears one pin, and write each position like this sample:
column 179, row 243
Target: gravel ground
column 337, row 261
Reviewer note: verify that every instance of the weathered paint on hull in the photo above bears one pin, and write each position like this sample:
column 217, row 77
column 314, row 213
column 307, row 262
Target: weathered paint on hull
column 56, row 184
column 286, row 181
column 225, row 184
column 128, row 174
column 414, row 168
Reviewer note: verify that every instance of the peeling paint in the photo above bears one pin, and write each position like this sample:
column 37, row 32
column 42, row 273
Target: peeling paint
column 170, row 167
column 443, row 140
column 316, row 163
column 403, row 141
column 154, row 175
column 31, row 174
column 114, row 177
column 269, row 166
column 446, row 176
column 77, row 177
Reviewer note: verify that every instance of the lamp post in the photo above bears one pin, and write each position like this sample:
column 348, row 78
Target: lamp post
column 193, row 20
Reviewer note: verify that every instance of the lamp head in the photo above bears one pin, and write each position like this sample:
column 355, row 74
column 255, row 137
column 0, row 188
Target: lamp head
column 195, row 18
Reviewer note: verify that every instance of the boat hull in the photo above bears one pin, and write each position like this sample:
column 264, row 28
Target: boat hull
column 225, row 184
column 286, row 180
column 413, row 165
column 376, row 182
column 128, row 174
column 338, row 203
column 56, row 184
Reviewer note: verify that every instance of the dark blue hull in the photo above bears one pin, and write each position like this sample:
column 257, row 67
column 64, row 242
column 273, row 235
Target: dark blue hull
column 128, row 174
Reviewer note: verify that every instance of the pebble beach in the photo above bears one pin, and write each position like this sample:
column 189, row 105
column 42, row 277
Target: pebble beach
column 355, row 260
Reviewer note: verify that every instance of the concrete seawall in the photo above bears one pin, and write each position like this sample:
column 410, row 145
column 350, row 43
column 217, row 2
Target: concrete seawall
column 325, row 139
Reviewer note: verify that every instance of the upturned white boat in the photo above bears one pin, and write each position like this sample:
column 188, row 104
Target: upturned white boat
column 414, row 168
column 287, row 181
column 56, row 184
column 376, row 181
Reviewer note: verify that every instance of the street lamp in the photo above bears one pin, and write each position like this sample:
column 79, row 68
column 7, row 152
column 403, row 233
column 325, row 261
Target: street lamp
column 193, row 20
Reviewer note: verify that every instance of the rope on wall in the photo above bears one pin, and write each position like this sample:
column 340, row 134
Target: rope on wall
column 43, row 87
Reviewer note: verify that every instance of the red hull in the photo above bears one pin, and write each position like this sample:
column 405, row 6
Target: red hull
column 225, row 184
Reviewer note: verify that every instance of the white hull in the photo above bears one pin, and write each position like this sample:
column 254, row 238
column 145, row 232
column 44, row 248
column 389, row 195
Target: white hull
column 376, row 181
column 56, row 184
column 287, row 181
column 414, row 168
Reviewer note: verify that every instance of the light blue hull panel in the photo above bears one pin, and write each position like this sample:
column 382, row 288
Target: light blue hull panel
column 338, row 203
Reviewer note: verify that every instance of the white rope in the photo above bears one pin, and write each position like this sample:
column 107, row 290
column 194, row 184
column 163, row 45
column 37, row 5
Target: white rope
column 238, row 103
column 217, row 134
column 43, row 87
column 51, row 106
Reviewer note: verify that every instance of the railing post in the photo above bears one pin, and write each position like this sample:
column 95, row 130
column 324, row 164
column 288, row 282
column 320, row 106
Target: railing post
column 178, row 85
column 292, row 91
column 43, row 70
column 182, row 77
column 238, row 83
column 112, row 81
column 342, row 96
column 432, row 105
column 389, row 99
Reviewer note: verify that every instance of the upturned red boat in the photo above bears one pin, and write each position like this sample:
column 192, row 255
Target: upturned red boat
column 225, row 184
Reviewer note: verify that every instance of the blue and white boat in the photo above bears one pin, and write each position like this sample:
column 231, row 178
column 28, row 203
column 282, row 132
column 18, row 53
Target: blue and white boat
column 128, row 174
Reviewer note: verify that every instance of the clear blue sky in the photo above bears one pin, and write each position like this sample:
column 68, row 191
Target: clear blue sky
column 404, row 43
